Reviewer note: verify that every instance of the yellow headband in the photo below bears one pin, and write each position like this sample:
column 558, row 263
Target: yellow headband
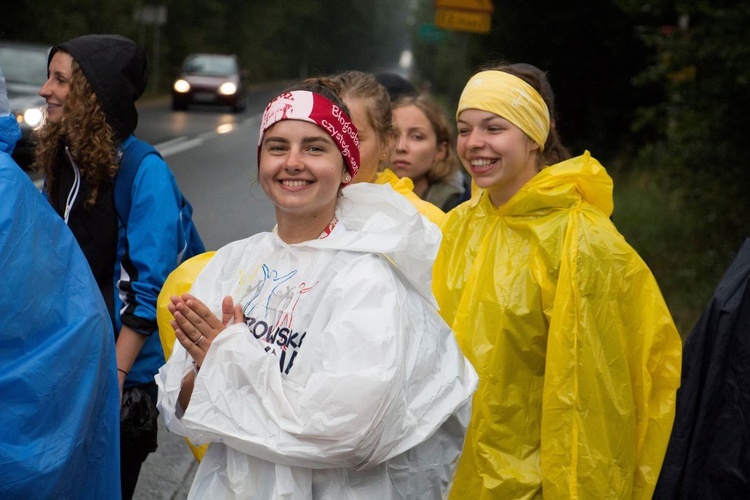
column 510, row 97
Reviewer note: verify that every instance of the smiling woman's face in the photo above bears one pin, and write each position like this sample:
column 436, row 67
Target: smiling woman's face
column 57, row 86
column 499, row 156
column 301, row 170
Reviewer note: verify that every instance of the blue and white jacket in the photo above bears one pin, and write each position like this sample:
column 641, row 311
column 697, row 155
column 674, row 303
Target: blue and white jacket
column 130, row 264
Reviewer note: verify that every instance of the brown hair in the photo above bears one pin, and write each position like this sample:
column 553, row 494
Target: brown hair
column 360, row 85
column 554, row 150
column 445, row 168
column 84, row 129
column 327, row 87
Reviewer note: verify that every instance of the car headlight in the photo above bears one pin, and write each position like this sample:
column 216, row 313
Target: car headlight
column 227, row 88
column 181, row 86
column 33, row 117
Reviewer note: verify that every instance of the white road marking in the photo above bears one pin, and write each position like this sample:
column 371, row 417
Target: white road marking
column 178, row 145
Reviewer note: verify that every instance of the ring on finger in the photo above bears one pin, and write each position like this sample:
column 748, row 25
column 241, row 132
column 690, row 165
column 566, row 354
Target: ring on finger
column 196, row 342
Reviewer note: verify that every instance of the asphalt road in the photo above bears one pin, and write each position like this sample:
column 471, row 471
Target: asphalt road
column 168, row 472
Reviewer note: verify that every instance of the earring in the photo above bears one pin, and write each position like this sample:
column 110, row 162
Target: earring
column 347, row 178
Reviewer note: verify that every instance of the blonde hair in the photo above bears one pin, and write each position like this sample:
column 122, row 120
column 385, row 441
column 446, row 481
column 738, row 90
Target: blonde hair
column 84, row 129
column 360, row 85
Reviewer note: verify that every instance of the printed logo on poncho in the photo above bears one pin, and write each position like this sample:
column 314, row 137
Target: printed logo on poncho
column 269, row 312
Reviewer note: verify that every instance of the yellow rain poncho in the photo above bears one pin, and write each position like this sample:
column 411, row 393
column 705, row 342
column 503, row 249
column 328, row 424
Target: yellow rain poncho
column 405, row 187
column 577, row 354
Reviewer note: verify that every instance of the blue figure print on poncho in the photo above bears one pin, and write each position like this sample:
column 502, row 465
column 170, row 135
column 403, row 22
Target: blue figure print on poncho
column 271, row 323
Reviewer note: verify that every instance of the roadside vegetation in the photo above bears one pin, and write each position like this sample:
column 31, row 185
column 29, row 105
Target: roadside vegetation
column 661, row 226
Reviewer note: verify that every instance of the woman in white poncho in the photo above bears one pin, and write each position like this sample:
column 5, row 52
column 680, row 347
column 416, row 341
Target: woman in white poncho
column 334, row 376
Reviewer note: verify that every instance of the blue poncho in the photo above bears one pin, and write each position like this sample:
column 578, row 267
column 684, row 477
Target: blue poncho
column 59, row 399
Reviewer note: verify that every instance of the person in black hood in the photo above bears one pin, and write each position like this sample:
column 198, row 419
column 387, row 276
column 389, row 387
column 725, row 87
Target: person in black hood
column 93, row 82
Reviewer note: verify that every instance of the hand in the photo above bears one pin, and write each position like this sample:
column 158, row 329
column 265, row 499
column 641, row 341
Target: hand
column 196, row 327
column 231, row 312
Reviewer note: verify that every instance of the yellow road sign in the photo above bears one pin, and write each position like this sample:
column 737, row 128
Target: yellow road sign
column 463, row 20
column 473, row 5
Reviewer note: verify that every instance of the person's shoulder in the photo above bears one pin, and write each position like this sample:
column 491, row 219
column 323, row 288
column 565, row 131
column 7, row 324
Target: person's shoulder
column 458, row 215
column 11, row 175
column 612, row 249
column 10, row 133
column 249, row 248
column 446, row 194
column 16, row 185
column 368, row 272
column 152, row 171
column 135, row 149
column 405, row 187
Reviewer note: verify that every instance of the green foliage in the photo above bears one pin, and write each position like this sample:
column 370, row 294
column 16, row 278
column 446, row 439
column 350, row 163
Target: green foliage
column 588, row 49
column 53, row 21
column 290, row 39
column 274, row 40
column 654, row 222
column 701, row 64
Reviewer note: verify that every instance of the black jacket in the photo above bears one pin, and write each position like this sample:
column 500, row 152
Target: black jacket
column 117, row 70
column 709, row 451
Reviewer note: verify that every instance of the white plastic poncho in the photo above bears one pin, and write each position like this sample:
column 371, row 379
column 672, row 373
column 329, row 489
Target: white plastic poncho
column 344, row 382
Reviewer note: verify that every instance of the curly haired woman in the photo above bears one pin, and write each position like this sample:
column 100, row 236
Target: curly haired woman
column 92, row 85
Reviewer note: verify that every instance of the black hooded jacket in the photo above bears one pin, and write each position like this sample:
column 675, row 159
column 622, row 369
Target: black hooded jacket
column 117, row 70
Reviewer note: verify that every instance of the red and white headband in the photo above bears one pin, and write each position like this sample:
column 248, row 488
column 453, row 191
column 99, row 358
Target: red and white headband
column 314, row 108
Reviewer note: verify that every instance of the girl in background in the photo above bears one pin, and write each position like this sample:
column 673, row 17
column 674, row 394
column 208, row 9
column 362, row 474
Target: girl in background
column 370, row 105
column 424, row 152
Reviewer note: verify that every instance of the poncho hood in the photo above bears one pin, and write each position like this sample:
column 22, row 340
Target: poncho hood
column 379, row 220
column 562, row 185
column 117, row 70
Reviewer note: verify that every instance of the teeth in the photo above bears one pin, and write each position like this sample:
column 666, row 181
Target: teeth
column 481, row 163
column 295, row 183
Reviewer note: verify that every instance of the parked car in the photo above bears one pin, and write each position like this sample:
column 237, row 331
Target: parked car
column 25, row 69
column 209, row 79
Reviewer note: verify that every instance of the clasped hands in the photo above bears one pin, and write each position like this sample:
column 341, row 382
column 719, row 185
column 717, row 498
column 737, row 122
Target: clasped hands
column 196, row 326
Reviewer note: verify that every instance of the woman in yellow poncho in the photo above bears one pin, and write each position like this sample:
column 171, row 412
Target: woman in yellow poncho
column 577, row 354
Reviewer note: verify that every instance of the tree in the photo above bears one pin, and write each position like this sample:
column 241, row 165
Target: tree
column 701, row 62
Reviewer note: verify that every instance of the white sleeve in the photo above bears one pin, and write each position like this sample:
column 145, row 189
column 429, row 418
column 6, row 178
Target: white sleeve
column 379, row 374
column 208, row 287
